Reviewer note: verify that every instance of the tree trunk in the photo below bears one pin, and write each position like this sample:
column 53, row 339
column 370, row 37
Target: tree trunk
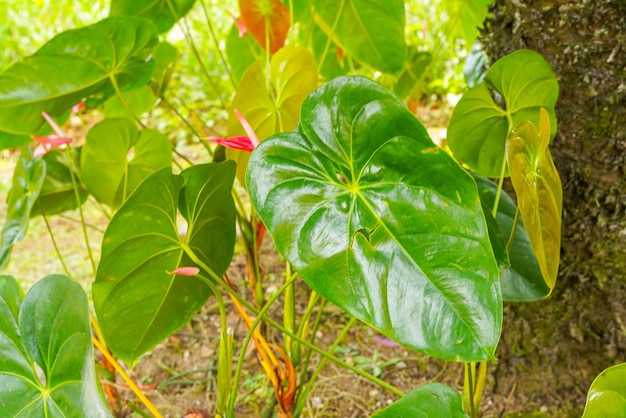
column 553, row 349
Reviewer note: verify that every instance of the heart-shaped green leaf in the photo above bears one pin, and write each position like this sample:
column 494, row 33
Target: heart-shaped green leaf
column 372, row 31
column 57, row 193
column 28, row 179
column 523, row 280
column 137, row 301
column 163, row 13
column 428, row 401
column 49, row 331
column 77, row 64
column 117, row 157
column 539, row 194
column 607, row 394
column 292, row 76
column 380, row 221
column 479, row 127
column 139, row 101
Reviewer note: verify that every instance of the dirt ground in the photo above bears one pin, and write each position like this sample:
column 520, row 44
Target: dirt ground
column 549, row 353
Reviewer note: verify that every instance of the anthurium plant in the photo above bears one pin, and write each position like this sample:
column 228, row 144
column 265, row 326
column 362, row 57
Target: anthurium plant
column 417, row 241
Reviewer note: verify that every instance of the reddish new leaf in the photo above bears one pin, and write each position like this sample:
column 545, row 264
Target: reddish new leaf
column 257, row 15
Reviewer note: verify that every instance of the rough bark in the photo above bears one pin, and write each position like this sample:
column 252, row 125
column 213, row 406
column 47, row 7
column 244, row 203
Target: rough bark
column 553, row 349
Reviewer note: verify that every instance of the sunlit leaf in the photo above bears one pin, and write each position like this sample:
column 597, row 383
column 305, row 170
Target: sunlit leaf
column 57, row 193
column 372, row 31
column 266, row 20
column 380, row 221
column 117, row 157
column 292, row 77
column 49, row 330
column 523, row 280
column 465, row 18
column 28, row 178
column 427, row 401
column 539, row 195
column 163, row 13
column 75, row 65
column 414, row 70
column 328, row 55
column 139, row 101
column 138, row 301
column 165, row 56
column 479, row 127
column 607, row 394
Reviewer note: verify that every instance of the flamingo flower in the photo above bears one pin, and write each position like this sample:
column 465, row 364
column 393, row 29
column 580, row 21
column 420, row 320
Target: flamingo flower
column 52, row 141
column 245, row 143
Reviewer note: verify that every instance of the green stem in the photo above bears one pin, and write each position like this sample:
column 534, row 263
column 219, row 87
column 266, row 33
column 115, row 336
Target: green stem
column 289, row 314
column 282, row 329
column 304, row 327
column 80, row 210
column 246, row 342
column 56, row 247
column 217, row 46
column 496, row 202
column 124, row 103
column 309, row 386
column 189, row 125
column 509, row 245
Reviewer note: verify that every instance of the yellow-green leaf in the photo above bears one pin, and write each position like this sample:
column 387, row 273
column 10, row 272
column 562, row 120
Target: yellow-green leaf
column 538, row 188
column 292, row 77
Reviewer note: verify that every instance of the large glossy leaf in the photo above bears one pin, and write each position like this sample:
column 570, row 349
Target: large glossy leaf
column 479, row 127
column 372, row 31
column 380, row 221
column 28, row 178
column 77, row 64
column 266, row 20
column 57, row 193
column 292, row 77
column 163, row 13
column 137, row 301
column 523, row 280
column 117, row 157
column 47, row 362
column 539, row 194
column 428, row 401
column 607, row 394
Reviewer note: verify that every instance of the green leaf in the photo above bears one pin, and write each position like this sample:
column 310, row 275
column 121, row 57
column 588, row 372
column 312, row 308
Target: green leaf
column 292, row 76
column 523, row 280
column 607, row 394
column 163, row 13
column 51, row 332
column 539, row 194
column 117, row 157
column 427, row 401
column 137, row 301
column 28, row 178
column 334, row 64
column 165, row 55
column 78, row 64
column 8, row 141
column 414, row 70
column 57, row 193
column 381, row 222
column 241, row 52
column 479, row 127
column 372, row 31
column 465, row 18
column 140, row 101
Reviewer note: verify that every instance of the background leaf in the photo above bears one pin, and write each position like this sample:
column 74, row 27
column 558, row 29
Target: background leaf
column 539, row 193
column 57, row 191
column 53, row 331
column 607, row 394
column 479, row 127
column 427, row 401
column 292, row 77
column 241, row 52
column 140, row 101
column 372, row 31
column 28, row 178
column 271, row 14
column 414, row 70
column 137, row 301
column 77, row 64
column 117, row 157
column 379, row 221
column 523, row 280
column 158, row 12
